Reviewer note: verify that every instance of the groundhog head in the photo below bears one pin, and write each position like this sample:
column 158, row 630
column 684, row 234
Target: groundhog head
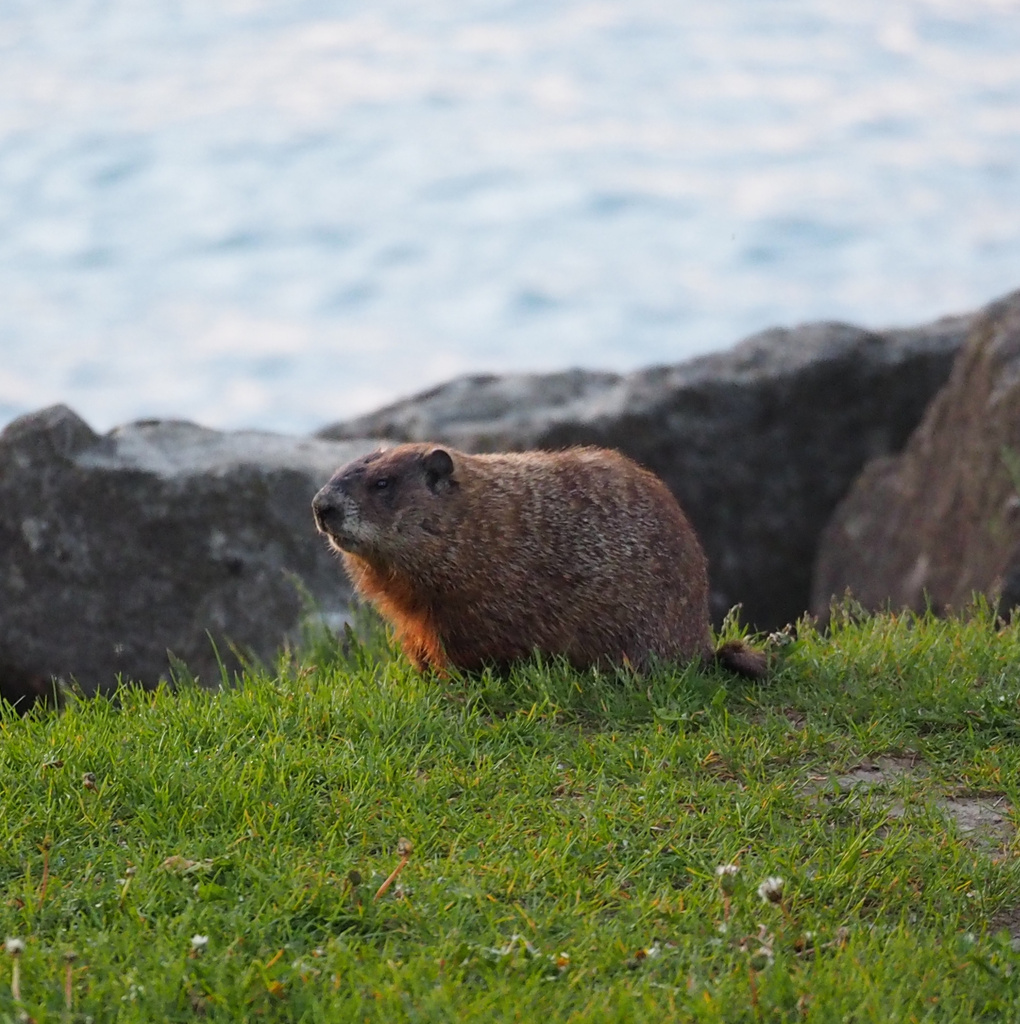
column 382, row 506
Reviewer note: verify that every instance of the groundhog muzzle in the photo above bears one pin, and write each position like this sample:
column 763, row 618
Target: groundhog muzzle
column 484, row 559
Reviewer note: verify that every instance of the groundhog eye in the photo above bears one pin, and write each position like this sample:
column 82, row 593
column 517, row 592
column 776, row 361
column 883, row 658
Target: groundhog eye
column 382, row 483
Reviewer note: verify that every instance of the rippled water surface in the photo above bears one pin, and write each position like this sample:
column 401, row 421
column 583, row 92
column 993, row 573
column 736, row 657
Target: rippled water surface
column 279, row 214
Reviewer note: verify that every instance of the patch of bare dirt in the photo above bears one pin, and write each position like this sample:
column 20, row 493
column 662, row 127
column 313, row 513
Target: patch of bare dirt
column 985, row 820
column 867, row 775
column 1008, row 920
column 881, row 772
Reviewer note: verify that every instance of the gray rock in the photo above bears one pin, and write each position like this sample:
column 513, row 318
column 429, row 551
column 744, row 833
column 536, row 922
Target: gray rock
column 941, row 521
column 485, row 413
column 156, row 536
column 758, row 443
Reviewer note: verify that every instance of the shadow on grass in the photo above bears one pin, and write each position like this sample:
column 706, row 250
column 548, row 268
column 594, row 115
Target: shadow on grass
column 542, row 687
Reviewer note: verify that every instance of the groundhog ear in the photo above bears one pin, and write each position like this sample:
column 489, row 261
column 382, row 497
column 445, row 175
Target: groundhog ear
column 438, row 466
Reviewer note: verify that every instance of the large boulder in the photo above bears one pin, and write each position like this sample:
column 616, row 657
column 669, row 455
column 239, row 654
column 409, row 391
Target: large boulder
column 489, row 413
column 941, row 521
column 758, row 443
column 155, row 537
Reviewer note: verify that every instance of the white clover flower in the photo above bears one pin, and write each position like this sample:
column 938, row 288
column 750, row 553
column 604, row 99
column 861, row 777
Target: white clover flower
column 761, row 959
column 14, row 946
column 199, row 942
column 727, row 875
column 771, row 890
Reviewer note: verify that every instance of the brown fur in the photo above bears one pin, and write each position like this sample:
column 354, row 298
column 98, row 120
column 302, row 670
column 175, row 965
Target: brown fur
column 483, row 559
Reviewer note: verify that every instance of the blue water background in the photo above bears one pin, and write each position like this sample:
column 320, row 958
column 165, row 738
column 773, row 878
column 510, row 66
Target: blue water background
column 281, row 214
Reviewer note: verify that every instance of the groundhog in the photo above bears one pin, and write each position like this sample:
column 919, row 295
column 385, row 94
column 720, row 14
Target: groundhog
column 481, row 560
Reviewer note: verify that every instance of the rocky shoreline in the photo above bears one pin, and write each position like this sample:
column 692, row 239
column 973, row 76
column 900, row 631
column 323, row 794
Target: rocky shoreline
column 811, row 460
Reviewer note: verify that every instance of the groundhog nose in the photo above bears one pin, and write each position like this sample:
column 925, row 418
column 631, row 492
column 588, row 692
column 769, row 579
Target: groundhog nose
column 329, row 516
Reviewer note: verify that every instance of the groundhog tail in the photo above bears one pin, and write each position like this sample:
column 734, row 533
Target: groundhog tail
column 742, row 659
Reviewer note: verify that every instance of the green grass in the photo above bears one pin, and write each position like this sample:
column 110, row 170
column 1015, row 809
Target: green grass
column 566, row 829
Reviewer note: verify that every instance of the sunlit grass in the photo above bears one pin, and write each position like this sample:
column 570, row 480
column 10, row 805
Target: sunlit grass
column 223, row 859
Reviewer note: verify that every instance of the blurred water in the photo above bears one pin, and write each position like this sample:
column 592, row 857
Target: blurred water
column 280, row 214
